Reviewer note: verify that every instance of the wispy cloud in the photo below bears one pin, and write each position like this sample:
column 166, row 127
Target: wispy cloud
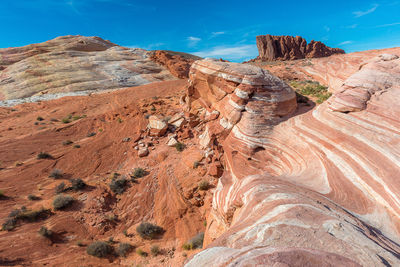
column 214, row 34
column 360, row 13
column 352, row 26
column 345, row 43
column 234, row 53
column 192, row 41
column 387, row 25
column 327, row 29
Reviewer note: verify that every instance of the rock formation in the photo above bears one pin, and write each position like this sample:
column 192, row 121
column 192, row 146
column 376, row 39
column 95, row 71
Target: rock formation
column 374, row 79
column 177, row 63
column 288, row 48
column 72, row 64
column 315, row 189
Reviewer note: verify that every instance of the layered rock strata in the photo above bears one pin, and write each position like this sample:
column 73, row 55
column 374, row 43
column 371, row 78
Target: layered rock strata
column 316, row 189
column 288, row 47
column 374, row 79
column 72, row 64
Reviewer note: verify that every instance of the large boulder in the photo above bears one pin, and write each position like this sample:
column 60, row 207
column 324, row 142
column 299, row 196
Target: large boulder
column 237, row 92
column 288, row 48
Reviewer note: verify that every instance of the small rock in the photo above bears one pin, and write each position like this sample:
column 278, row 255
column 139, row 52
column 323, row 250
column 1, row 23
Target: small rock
column 143, row 152
column 172, row 142
column 157, row 126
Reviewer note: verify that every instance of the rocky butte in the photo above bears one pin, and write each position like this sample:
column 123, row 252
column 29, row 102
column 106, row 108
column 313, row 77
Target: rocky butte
column 288, row 48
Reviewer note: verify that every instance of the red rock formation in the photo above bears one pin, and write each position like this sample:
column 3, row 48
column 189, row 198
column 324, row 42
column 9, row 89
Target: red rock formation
column 330, row 71
column 374, row 79
column 74, row 63
column 315, row 189
column 177, row 63
column 288, row 48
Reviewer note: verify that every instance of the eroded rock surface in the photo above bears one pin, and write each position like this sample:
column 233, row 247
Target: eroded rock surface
column 373, row 79
column 177, row 63
column 74, row 63
column 288, row 48
column 315, row 189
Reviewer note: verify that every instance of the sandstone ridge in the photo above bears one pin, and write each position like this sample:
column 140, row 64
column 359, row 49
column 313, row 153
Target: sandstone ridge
column 80, row 64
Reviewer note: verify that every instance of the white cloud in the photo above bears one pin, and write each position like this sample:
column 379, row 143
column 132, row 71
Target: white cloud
column 346, row 43
column 214, row 34
column 352, row 26
column 387, row 25
column 360, row 13
column 233, row 53
column 192, row 41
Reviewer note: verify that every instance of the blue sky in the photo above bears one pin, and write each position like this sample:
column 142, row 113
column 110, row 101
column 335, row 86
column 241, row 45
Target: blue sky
column 224, row 29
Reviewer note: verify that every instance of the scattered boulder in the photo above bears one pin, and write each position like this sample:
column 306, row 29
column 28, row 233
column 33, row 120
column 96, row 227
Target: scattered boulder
column 143, row 151
column 157, row 126
column 177, row 120
column 172, row 142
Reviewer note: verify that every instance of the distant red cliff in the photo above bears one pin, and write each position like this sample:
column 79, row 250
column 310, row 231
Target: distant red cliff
column 288, row 48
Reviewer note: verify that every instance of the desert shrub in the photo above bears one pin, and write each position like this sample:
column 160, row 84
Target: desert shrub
column 2, row 195
column 195, row 242
column 18, row 163
column 138, row 173
column 67, row 142
column 179, row 146
column 60, row 188
column 311, row 88
column 118, row 186
column 149, row 231
column 74, row 118
column 39, row 118
column 99, row 249
column 33, row 197
column 119, row 120
column 203, row 185
column 9, row 224
column 123, row 249
column 23, row 214
column 140, row 252
column 44, row 155
column 45, row 232
column 62, row 201
column 56, row 174
column 91, row 134
column 196, row 164
column 77, row 184
column 155, row 250
column 32, row 215
column 66, row 120
column 77, row 146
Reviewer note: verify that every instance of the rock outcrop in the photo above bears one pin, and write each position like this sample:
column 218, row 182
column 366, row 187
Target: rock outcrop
column 374, row 79
column 288, row 48
column 176, row 62
column 72, row 64
column 315, row 189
